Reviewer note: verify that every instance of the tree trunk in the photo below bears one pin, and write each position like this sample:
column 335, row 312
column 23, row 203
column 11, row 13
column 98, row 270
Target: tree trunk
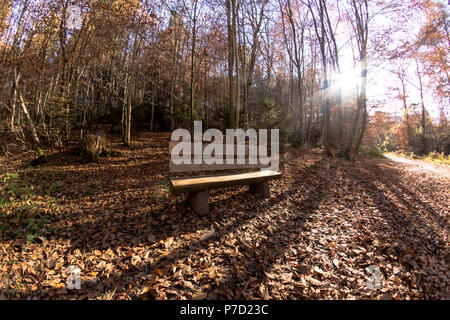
column 128, row 117
column 236, row 59
column 37, row 143
column 194, row 22
column 230, row 18
column 362, row 19
column 152, row 115
column 424, row 148
column 14, row 99
column 406, row 112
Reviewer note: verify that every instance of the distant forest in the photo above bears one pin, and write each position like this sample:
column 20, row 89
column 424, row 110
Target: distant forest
column 306, row 67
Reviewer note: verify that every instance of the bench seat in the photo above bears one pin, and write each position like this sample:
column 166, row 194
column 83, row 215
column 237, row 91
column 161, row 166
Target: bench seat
column 197, row 184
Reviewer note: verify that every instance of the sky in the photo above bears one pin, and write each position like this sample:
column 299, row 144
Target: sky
column 381, row 81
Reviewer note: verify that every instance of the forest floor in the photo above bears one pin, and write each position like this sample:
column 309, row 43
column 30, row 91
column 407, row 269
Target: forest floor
column 327, row 223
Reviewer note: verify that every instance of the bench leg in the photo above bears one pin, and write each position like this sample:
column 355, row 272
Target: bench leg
column 262, row 188
column 199, row 202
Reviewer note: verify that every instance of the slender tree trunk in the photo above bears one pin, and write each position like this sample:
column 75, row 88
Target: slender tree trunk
column 236, row 59
column 205, row 91
column 301, row 114
column 406, row 113
column 194, row 30
column 152, row 115
column 34, row 134
column 128, row 114
column 124, row 114
column 362, row 101
column 14, row 53
column 172, row 82
column 14, row 99
column 325, row 135
column 321, row 34
column 244, row 80
column 340, row 119
column 363, row 129
column 230, row 60
column 361, row 20
column 248, row 79
column 324, row 140
column 423, row 121
column 298, row 61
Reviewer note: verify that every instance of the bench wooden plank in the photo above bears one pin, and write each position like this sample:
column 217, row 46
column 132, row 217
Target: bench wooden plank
column 189, row 185
column 212, row 167
column 224, row 147
column 193, row 167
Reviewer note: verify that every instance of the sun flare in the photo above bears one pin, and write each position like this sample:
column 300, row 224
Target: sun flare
column 348, row 80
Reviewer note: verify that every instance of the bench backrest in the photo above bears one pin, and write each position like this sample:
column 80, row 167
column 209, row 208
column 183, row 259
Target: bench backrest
column 241, row 163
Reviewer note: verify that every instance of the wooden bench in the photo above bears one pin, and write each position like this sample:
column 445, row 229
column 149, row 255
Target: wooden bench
column 187, row 178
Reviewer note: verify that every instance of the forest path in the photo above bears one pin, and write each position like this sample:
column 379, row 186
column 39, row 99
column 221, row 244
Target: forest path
column 436, row 170
column 327, row 222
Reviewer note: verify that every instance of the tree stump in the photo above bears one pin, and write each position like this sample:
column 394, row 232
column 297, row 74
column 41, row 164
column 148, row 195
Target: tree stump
column 91, row 147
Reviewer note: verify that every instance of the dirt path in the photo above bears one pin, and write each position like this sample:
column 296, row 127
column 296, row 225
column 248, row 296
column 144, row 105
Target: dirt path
column 440, row 171
column 328, row 224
